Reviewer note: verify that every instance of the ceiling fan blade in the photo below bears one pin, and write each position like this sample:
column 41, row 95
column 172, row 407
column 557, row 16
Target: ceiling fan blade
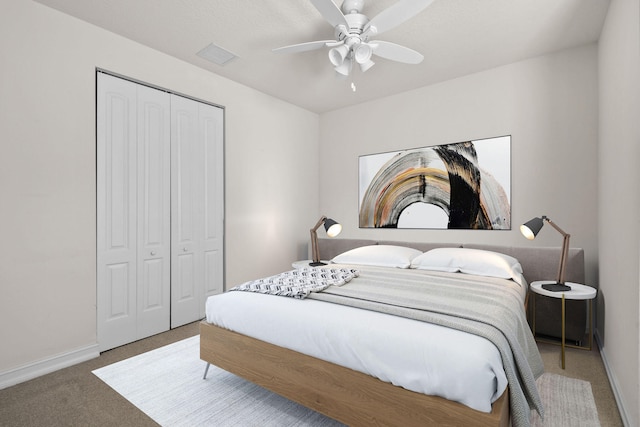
column 330, row 12
column 303, row 47
column 395, row 15
column 395, row 52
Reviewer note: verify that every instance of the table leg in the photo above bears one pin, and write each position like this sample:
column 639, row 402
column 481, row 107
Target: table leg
column 534, row 315
column 563, row 315
column 590, row 324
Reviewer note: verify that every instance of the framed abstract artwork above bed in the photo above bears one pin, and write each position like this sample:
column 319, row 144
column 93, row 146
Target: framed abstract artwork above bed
column 464, row 185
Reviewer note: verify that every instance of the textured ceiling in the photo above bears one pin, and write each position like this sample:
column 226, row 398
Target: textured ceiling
column 456, row 37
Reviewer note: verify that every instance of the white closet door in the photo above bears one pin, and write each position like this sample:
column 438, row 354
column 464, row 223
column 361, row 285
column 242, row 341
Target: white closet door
column 212, row 136
column 154, row 210
column 197, row 211
column 159, row 210
column 133, row 211
column 186, row 211
column 116, row 212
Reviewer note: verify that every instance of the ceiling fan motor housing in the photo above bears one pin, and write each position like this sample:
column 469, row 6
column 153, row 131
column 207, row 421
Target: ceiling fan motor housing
column 356, row 21
column 352, row 6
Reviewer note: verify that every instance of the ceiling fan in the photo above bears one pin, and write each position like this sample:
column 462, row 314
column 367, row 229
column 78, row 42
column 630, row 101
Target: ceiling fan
column 354, row 31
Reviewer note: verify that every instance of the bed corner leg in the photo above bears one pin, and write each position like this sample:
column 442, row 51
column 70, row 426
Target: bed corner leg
column 206, row 369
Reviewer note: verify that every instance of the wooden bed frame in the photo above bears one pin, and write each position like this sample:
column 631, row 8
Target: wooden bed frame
column 346, row 395
column 343, row 394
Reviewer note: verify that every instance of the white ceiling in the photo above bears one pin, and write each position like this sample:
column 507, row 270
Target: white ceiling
column 456, row 37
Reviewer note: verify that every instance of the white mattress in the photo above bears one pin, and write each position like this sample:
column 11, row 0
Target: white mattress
column 418, row 356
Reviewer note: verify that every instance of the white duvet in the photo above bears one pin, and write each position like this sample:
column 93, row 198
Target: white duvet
column 418, row 356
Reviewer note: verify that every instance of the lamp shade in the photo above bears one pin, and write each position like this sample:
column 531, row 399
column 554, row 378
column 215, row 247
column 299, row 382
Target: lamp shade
column 332, row 227
column 531, row 228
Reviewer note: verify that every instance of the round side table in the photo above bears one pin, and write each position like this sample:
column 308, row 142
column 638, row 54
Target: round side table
column 577, row 292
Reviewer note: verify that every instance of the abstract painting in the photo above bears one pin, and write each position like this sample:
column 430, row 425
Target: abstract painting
column 465, row 185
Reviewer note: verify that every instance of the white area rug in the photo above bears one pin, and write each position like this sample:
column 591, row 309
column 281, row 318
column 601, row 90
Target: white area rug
column 167, row 385
column 568, row 402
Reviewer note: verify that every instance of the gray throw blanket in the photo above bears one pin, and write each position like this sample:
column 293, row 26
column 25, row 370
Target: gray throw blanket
column 484, row 306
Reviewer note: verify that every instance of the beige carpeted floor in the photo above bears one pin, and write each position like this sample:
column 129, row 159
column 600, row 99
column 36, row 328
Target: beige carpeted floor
column 75, row 397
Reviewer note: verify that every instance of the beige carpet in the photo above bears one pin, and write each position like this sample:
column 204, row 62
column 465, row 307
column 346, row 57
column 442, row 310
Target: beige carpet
column 167, row 385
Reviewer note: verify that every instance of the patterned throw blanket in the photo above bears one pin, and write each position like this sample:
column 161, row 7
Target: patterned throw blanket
column 301, row 282
column 485, row 306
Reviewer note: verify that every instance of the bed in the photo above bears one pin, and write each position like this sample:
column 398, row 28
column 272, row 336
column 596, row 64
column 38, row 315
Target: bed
column 338, row 389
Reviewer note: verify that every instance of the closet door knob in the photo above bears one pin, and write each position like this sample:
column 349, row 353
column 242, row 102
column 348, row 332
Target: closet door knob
column 153, row 253
column 184, row 249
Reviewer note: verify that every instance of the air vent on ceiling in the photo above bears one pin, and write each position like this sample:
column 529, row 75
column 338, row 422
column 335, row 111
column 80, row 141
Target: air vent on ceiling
column 216, row 54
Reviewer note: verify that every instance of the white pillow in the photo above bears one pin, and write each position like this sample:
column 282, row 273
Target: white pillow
column 470, row 261
column 379, row 256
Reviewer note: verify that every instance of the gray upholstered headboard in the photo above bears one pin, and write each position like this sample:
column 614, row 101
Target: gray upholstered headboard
column 538, row 263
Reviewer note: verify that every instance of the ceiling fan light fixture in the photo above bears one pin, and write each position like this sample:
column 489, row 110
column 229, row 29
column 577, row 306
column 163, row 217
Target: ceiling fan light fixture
column 365, row 66
column 344, row 69
column 362, row 53
column 338, row 54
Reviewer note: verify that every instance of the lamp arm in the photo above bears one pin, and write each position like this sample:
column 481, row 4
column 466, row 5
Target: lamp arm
column 565, row 250
column 565, row 255
column 314, row 239
column 554, row 225
column 319, row 223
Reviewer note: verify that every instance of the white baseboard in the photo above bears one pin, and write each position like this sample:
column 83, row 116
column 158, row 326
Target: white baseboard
column 46, row 366
column 613, row 382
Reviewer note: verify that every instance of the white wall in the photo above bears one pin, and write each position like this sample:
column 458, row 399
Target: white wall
column 619, row 176
column 547, row 104
column 47, row 174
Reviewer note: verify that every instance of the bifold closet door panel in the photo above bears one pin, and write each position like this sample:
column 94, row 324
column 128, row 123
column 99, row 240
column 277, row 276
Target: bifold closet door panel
column 212, row 135
column 186, row 212
column 197, row 211
column 133, row 211
column 116, row 212
column 154, row 211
